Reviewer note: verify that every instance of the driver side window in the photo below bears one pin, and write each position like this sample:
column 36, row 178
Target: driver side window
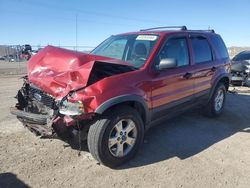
column 175, row 48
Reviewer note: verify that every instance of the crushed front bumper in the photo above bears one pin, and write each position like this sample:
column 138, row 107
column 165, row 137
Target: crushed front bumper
column 30, row 117
column 37, row 123
column 39, row 112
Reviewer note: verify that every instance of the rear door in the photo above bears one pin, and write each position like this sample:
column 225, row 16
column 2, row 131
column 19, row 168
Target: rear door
column 174, row 86
column 204, row 64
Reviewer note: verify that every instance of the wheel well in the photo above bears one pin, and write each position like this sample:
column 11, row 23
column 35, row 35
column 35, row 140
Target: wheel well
column 134, row 104
column 225, row 80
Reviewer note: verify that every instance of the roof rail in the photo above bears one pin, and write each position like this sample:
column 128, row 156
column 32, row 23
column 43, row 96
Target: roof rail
column 206, row 30
column 166, row 27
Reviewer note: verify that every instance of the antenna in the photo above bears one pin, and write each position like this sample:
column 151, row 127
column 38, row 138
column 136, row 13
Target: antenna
column 76, row 33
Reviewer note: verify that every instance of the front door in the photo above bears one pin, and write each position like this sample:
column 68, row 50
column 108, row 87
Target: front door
column 174, row 86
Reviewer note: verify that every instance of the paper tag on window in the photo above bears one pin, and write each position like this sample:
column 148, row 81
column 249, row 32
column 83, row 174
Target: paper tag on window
column 146, row 37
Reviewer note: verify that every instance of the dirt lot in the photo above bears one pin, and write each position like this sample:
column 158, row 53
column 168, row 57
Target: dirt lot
column 13, row 67
column 187, row 151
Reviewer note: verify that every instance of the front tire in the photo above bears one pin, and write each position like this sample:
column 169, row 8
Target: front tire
column 116, row 137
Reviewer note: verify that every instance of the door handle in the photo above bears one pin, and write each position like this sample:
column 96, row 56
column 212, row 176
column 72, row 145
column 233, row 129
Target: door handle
column 188, row 75
column 213, row 69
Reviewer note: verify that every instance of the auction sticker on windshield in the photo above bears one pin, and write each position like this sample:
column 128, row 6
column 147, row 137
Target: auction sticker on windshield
column 146, row 37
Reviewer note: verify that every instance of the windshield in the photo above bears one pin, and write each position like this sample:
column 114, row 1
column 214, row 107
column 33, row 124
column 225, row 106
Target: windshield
column 245, row 55
column 134, row 49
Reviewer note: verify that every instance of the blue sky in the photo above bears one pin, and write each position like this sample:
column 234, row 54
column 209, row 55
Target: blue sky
column 42, row 22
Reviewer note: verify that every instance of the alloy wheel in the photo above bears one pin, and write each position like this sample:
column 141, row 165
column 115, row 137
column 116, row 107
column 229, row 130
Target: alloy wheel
column 122, row 138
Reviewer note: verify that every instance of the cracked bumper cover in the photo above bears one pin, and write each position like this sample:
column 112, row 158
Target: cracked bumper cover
column 37, row 123
column 30, row 117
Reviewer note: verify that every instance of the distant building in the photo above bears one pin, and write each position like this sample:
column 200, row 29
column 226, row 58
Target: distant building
column 7, row 51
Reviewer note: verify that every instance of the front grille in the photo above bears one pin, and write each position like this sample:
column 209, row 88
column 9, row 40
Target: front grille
column 42, row 97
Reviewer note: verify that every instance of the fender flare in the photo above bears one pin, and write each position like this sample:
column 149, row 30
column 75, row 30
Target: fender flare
column 216, row 81
column 124, row 98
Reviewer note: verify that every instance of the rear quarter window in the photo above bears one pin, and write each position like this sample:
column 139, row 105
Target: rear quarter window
column 219, row 46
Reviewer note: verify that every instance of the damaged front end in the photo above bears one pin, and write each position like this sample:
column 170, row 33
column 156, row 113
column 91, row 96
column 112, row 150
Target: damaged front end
column 46, row 117
column 55, row 75
column 35, row 109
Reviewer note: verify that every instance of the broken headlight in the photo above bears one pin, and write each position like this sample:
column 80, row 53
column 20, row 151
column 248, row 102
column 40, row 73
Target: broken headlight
column 71, row 109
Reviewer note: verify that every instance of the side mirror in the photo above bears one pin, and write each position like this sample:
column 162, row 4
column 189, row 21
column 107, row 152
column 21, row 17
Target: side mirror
column 167, row 63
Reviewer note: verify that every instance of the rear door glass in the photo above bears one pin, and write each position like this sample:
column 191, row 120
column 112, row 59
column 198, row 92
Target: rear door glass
column 201, row 49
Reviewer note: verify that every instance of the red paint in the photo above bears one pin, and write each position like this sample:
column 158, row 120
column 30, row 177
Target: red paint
column 58, row 71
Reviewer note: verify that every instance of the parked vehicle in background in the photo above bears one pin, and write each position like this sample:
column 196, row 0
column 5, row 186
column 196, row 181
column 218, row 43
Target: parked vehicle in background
column 11, row 58
column 123, row 87
column 26, row 52
column 241, row 69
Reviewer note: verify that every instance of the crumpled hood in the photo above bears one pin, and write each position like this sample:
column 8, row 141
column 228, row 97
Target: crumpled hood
column 58, row 71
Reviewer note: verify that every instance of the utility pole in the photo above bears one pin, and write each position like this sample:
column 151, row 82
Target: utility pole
column 76, row 32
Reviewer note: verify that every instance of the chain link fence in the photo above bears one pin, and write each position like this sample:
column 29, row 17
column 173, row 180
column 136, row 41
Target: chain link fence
column 13, row 58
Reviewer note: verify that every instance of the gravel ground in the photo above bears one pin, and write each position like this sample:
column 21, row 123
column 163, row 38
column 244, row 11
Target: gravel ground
column 188, row 151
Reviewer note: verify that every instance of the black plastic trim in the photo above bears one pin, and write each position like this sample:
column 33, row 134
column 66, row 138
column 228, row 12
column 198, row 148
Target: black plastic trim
column 124, row 98
column 225, row 75
column 34, row 118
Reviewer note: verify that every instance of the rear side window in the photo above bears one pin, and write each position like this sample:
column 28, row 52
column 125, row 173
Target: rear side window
column 220, row 46
column 201, row 49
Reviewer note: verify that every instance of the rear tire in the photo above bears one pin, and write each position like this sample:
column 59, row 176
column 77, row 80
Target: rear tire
column 108, row 139
column 216, row 103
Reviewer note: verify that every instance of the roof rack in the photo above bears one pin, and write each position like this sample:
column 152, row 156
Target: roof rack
column 166, row 27
column 182, row 28
column 206, row 30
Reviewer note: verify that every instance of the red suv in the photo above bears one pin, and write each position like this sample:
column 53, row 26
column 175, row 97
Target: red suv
column 124, row 86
